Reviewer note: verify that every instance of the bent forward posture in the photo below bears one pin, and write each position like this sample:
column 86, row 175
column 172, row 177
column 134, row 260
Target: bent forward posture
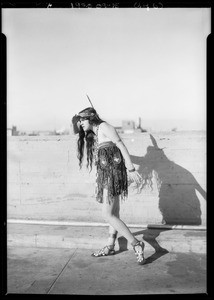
column 112, row 160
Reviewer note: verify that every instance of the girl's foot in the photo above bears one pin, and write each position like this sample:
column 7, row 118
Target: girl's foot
column 139, row 252
column 107, row 250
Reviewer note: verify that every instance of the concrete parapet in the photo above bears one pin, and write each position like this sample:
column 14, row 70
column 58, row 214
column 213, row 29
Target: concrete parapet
column 45, row 183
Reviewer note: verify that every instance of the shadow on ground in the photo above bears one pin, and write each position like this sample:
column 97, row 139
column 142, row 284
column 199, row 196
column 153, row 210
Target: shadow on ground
column 149, row 236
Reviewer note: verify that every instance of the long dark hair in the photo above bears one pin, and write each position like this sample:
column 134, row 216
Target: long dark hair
column 87, row 138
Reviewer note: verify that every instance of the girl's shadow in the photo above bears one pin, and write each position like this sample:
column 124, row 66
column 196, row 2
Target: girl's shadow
column 178, row 201
column 149, row 236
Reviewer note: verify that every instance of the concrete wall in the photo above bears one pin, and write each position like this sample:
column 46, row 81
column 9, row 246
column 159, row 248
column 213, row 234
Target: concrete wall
column 45, row 183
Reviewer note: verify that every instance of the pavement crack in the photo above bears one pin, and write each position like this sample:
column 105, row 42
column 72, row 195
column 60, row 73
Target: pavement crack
column 60, row 273
column 33, row 283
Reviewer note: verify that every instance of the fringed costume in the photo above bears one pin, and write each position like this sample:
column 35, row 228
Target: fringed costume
column 111, row 169
column 111, row 172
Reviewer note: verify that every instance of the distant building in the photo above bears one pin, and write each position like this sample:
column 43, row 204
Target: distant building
column 33, row 133
column 139, row 127
column 128, row 126
column 12, row 131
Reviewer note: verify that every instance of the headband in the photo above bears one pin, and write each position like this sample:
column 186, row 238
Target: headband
column 85, row 114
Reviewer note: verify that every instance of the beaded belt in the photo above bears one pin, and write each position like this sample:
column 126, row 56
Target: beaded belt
column 104, row 144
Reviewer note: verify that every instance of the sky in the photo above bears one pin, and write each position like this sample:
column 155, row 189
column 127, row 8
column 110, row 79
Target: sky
column 132, row 62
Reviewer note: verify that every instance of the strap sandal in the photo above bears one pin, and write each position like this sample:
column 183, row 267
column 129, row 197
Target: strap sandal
column 139, row 252
column 107, row 250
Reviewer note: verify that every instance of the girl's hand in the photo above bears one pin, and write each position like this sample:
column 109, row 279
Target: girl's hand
column 135, row 176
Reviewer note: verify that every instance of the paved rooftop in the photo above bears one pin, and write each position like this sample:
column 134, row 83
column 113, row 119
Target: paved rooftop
column 48, row 259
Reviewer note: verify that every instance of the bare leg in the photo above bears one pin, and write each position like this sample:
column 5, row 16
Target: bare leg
column 116, row 224
column 111, row 215
column 113, row 232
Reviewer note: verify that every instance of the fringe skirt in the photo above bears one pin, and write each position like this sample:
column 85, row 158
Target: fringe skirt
column 111, row 172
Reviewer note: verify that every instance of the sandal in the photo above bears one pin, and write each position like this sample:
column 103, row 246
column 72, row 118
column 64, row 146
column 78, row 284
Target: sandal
column 139, row 252
column 107, row 250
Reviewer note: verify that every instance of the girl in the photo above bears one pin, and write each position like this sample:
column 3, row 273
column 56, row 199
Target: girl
column 111, row 157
